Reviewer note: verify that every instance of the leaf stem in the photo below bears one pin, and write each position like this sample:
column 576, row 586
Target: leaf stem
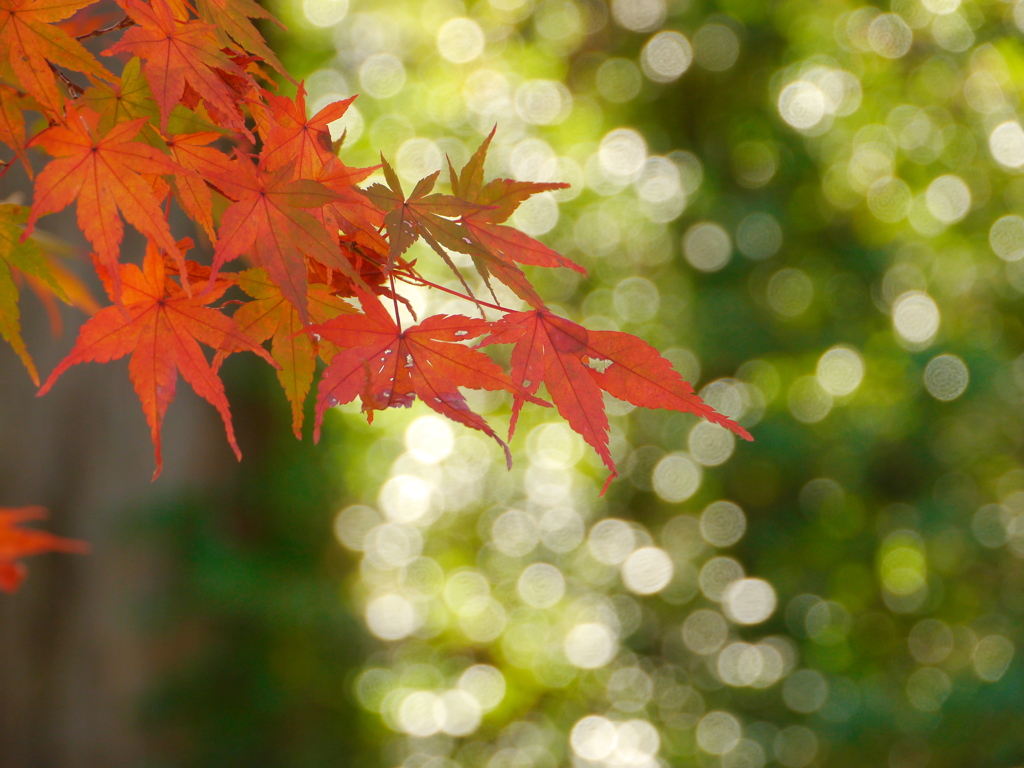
column 394, row 298
column 417, row 279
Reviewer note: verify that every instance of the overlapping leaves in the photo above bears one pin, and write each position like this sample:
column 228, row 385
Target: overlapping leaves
column 193, row 119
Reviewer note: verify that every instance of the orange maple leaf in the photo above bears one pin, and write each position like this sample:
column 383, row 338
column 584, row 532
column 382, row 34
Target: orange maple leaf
column 30, row 41
column 161, row 332
column 179, row 52
column 16, row 543
column 103, row 175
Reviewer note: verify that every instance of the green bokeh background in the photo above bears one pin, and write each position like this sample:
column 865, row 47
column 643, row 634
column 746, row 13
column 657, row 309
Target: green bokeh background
column 878, row 151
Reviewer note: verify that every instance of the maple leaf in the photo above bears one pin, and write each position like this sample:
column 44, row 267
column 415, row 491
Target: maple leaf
column 12, row 123
column 269, row 222
column 30, row 42
column 179, row 52
column 290, row 136
column 161, row 328
column 26, row 257
column 271, row 315
column 497, row 201
column 231, row 17
column 103, row 175
column 191, row 151
column 576, row 365
column 17, row 543
column 388, row 366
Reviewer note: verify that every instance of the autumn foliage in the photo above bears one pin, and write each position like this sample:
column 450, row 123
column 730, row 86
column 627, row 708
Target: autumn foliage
column 197, row 116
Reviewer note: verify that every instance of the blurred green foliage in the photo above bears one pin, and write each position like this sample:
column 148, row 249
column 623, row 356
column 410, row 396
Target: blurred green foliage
column 816, row 210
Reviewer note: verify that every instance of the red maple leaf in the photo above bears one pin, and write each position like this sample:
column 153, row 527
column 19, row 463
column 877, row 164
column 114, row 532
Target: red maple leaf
column 269, row 222
column 177, row 52
column 103, row 175
column 291, row 136
column 231, row 17
column 30, row 41
column 191, row 151
column 388, row 366
column 576, row 365
column 162, row 331
column 16, row 543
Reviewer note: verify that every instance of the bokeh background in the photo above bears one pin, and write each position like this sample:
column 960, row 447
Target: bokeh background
column 816, row 210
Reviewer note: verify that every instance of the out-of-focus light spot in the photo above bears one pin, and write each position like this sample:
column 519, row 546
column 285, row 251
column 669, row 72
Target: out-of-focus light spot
column 407, row 499
column 1006, row 236
column 541, row 585
column 930, row 641
column 992, row 657
column 488, row 93
column 636, row 743
column 840, row 371
column 537, row 215
column 465, row 586
column 462, row 713
column 718, row 733
column 611, row 541
column 372, row 687
column 622, row 153
column 722, row 523
column 421, row 714
column 987, row 525
column 424, row 576
column 808, row 401
column 630, row 689
column 484, row 683
column 418, row 157
column 593, row 737
column 889, row 36
column 805, row 691
column 759, row 236
column 482, row 619
column 429, row 439
column 948, row 199
column 707, row 246
column 659, row 181
column 639, row 15
column 952, row 32
column 391, row 617
column 915, row 316
column 647, row 570
column 710, row 444
column 533, row 159
column 460, row 40
column 790, row 292
column 324, row 13
column 393, row 545
column 554, row 446
column 716, row 576
column 705, row 631
column 715, row 47
column 827, row 622
column 543, row 102
column 636, row 299
column 666, row 56
column 754, row 163
column 746, row 754
column 618, row 80
column 928, row 689
column 352, row 525
column 946, row 377
column 590, row 645
column 727, row 396
column 795, row 746
column 350, row 125
column 676, row 477
column 382, row 75
column 902, row 566
column 515, row 533
column 561, row 529
column 559, row 22
column 941, row 7
column 749, row 601
column 1006, row 142
column 889, row 199
column 740, row 664
column 802, row 105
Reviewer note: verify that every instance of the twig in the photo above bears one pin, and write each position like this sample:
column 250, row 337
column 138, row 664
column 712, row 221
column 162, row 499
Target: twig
column 124, row 23
column 73, row 88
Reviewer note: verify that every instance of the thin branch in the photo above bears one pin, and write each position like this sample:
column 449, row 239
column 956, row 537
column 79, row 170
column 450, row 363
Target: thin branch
column 124, row 23
column 73, row 88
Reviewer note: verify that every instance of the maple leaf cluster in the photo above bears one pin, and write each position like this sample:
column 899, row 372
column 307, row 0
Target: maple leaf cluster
column 196, row 117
